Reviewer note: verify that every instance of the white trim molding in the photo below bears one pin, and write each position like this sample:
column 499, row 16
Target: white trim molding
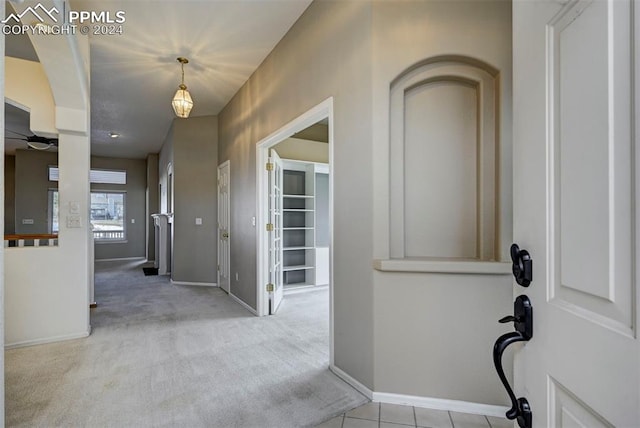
column 243, row 304
column 123, row 259
column 424, row 402
column 351, row 381
column 324, row 110
column 199, row 284
column 47, row 340
column 441, row 404
column 475, row 267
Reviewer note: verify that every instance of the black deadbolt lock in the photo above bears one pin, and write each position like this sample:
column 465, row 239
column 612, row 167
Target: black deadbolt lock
column 522, row 265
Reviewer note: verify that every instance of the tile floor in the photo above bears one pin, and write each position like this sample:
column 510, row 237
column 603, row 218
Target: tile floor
column 382, row 415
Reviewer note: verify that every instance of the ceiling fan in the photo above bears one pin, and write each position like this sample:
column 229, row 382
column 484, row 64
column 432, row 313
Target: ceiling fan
column 34, row 141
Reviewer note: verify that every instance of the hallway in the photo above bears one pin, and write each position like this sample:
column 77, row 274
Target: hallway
column 167, row 355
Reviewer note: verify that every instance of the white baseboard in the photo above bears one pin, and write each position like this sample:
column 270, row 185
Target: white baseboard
column 244, row 305
column 351, row 381
column 441, row 404
column 199, row 284
column 46, row 340
column 123, row 259
column 425, row 402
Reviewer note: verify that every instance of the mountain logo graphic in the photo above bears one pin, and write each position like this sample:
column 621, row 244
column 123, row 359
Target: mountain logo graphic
column 39, row 11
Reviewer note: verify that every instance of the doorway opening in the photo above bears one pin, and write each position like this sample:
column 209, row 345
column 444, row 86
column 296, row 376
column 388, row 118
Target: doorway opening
column 295, row 211
column 224, row 226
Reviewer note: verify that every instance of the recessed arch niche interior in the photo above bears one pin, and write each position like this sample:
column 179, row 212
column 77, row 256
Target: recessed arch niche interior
column 444, row 145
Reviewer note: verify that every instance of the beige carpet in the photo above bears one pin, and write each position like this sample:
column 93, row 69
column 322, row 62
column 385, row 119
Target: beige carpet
column 180, row 356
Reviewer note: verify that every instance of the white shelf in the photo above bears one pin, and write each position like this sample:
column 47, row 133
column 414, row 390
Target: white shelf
column 300, row 267
column 299, row 196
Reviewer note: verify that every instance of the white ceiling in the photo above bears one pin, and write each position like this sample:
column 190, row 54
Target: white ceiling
column 134, row 75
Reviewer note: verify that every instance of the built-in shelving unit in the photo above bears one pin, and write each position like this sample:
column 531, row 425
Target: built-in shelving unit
column 299, row 223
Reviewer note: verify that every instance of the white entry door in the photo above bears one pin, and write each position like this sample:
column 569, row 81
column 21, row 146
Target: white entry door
column 576, row 186
column 276, row 289
column 224, row 213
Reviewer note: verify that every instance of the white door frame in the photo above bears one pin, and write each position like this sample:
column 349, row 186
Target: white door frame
column 226, row 163
column 324, row 110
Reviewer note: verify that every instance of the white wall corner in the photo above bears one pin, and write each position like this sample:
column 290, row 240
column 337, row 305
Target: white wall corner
column 353, row 382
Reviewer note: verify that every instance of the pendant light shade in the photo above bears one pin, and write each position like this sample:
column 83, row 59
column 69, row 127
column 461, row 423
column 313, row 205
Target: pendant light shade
column 182, row 102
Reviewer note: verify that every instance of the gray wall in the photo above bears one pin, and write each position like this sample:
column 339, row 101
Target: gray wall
column 32, row 187
column 322, row 210
column 165, row 158
column 327, row 53
column 135, row 207
column 434, row 332
column 394, row 332
column 9, row 194
column 192, row 147
column 31, row 198
column 152, row 201
column 195, row 157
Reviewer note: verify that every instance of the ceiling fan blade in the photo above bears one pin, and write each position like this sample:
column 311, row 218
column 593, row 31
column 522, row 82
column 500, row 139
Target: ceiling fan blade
column 14, row 138
column 39, row 145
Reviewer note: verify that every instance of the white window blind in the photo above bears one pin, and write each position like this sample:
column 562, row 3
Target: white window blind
column 54, row 173
column 105, row 176
column 101, row 176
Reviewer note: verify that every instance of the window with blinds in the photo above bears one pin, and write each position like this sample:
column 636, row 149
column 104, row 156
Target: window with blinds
column 98, row 176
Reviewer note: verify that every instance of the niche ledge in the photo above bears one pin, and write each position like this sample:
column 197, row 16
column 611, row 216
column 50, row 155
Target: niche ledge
column 459, row 266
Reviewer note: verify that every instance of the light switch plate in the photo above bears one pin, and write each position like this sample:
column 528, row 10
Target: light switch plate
column 73, row 222
column 198, row 221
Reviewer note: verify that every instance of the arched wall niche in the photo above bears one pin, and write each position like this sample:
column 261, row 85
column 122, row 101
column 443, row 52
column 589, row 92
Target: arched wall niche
column 444, row 145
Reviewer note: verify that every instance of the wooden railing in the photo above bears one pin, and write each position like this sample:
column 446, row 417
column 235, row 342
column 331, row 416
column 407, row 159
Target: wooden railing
column 31, row 240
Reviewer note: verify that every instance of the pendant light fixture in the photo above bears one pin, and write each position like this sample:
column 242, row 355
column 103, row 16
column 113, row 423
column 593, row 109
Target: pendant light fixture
column 182, row 102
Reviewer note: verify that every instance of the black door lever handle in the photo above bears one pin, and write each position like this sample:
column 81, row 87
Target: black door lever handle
column 522, row 317
column 520, row 409
column 523, row 324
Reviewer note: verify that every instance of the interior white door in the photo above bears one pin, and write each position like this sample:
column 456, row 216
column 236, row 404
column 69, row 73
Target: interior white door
column 276, row 290
column 224, row 214
column 575, row 191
